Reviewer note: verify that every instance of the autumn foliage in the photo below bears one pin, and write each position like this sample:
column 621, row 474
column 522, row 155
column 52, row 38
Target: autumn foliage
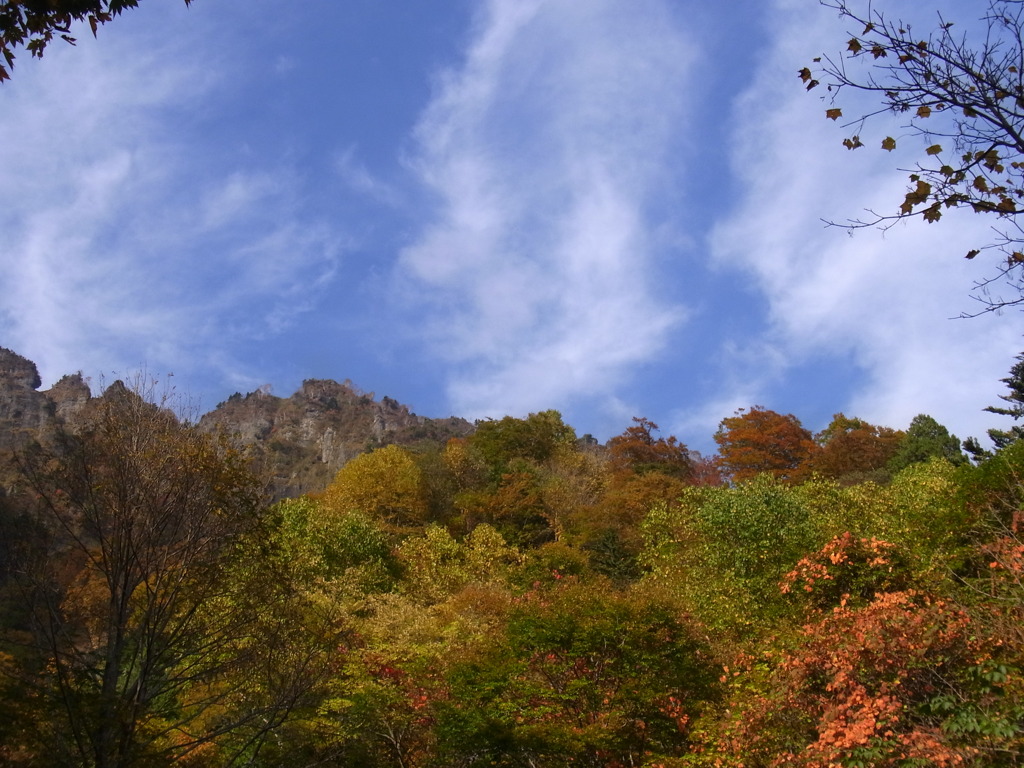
column 860, row 688
column 517, row 597
column 760, row 440
column 638, row 450
column 955, row 97
column 853, row 450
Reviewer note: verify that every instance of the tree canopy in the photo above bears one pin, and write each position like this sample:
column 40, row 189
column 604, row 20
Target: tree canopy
column 926, row 439
column 760, row 440
column 517, row 597
column 853, row 450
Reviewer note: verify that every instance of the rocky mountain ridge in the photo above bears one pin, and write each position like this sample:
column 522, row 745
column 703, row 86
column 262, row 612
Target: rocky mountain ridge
column 303, row 440
column 25, row 412
column 298, row 442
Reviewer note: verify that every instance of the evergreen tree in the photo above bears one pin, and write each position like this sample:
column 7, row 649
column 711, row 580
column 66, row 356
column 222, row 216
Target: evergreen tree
column 1003, row 437
column 1015, row 383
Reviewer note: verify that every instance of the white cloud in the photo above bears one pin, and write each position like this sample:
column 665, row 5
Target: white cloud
column 359, row 179
column 883, row 301
column 127, row 239
column 545, row 150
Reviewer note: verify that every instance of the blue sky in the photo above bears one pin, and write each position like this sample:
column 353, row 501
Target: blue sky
column 481, row 208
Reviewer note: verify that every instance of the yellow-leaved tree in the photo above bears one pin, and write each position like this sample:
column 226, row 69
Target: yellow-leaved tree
column 385, row 484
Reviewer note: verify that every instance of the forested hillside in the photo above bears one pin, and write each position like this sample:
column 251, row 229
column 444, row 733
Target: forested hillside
column 515, row 596
column 511, row 201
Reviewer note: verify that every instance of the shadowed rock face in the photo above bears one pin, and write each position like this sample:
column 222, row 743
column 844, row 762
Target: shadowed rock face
column 299, row 442
column 24, row 412
column 302, row 441
column 27, row 414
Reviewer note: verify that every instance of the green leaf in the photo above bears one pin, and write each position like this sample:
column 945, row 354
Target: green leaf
column 888, row 143
column 934, row 149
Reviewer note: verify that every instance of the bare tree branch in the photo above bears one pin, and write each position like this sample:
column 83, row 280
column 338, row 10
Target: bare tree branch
column 964, row 100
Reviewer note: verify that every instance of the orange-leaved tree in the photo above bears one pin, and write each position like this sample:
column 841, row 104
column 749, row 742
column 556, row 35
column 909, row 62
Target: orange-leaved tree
column 885, row 672
column 760, row 440
column 852, row 450
column 638, row 450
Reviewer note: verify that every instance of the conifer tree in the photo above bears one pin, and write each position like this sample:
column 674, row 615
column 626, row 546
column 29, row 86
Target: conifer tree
column 1015, row 409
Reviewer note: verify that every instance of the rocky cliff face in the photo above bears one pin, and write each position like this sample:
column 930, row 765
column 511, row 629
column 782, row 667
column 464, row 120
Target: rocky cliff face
column 299, row 442
column 303, row 440
column 26, row 413
column 23, row 410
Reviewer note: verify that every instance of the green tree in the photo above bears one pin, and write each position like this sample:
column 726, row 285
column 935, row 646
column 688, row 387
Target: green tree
column 351, row 550
column 723, row 551
column 926, row 439
column 32, row 24
column 747, row 537
column 437, row 566
column 1003, row 437
column 961, row 94
column 535, row 438
column 580, row 676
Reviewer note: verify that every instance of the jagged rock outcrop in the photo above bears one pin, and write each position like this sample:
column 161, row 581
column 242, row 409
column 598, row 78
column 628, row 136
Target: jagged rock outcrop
column 69, row 397
column 27, row 414
column 303, row 440
column 299, row 442
column 24, row 411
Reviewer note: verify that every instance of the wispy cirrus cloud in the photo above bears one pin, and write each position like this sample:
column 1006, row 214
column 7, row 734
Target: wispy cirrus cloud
column 128, row 240
column 543, row 152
